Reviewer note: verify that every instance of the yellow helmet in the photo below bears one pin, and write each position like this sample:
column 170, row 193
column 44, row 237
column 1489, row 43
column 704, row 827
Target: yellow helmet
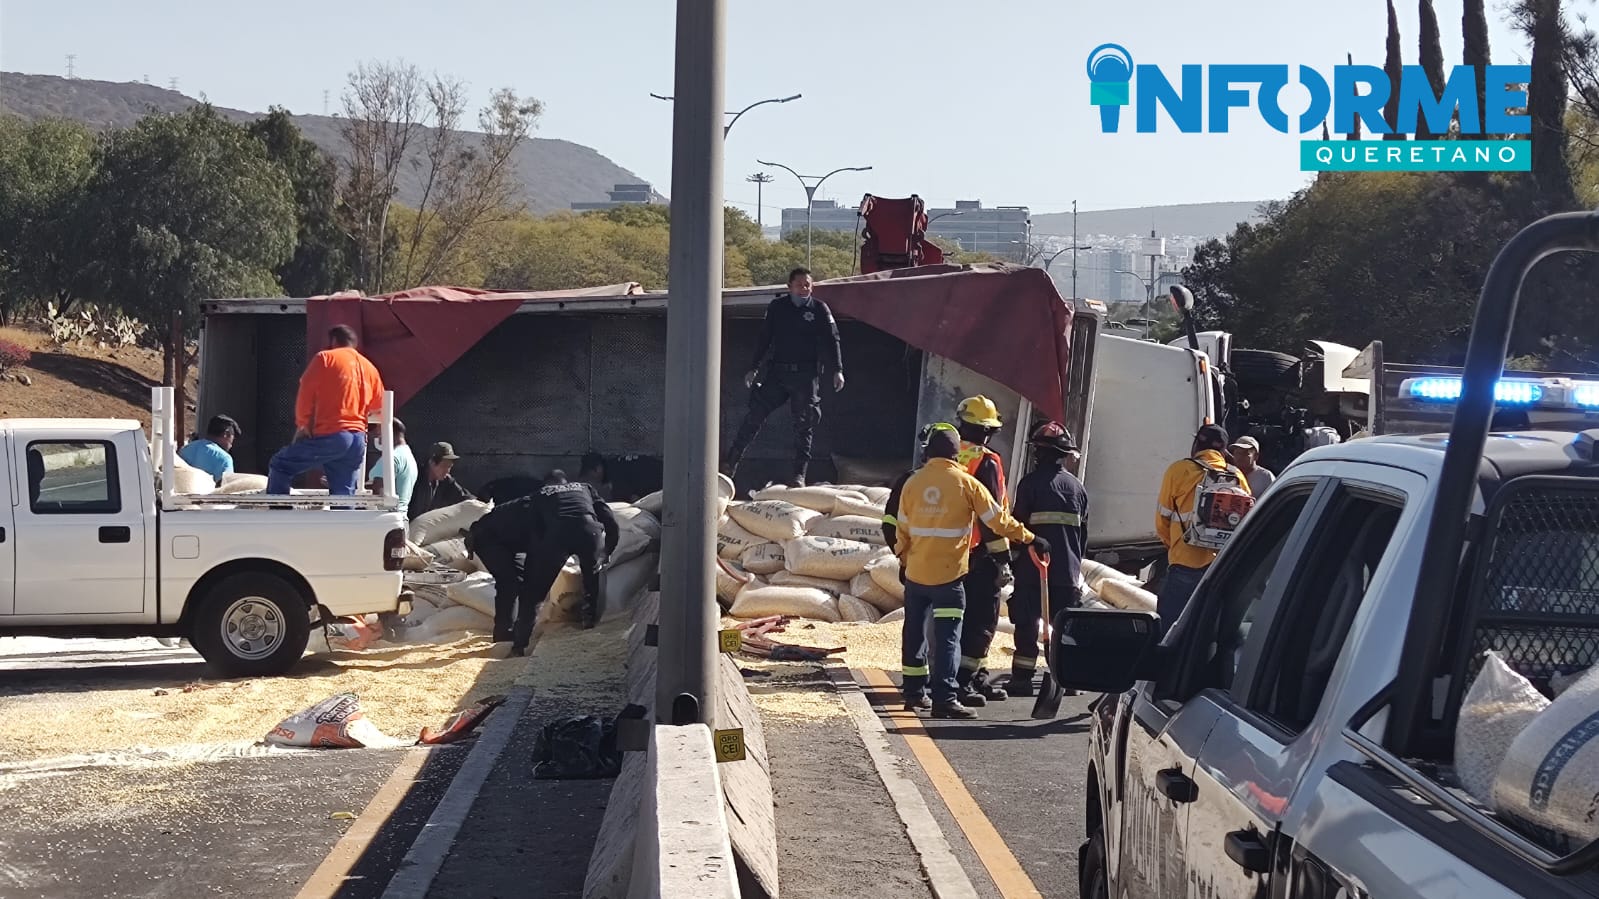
column 979, row 410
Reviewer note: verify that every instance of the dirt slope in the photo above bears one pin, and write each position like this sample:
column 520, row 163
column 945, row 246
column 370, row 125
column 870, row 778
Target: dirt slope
column 82, row 381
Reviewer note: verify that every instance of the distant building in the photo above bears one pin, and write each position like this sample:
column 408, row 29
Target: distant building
column 826, row 215
column 621, row 195
column 1003, row 231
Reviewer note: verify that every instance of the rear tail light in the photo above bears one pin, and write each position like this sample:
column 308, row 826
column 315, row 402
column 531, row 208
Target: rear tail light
column 394, row 550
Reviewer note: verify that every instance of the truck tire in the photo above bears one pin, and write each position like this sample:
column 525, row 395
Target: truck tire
column 252, row 624
column 1093, row 881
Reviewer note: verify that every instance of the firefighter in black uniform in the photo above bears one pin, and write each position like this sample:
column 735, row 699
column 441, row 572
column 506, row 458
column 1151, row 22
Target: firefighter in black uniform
column 977, row 419
column 1052, row 503
column 801, row 338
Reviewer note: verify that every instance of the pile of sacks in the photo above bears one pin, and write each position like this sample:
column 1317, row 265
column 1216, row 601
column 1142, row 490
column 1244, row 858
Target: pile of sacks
column 190, row 481
column 810, row 552
column 453, row 595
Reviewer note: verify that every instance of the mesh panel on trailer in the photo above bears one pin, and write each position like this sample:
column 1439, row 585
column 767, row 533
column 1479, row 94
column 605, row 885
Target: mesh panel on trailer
column 1537, row 597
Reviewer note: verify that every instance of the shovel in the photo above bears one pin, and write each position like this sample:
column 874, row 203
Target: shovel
column 1049, row 692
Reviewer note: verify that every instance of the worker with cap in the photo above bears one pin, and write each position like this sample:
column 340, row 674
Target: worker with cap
column 1052, row 503
column 897, row 488
column 213, row 453
column 1177, row 519
column 798, row 343
column 441, row 490
column 937, row 508
column 989, row 571
column 1245, row 453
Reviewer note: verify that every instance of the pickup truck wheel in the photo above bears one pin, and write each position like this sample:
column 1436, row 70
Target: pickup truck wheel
column 1093, row 882
column 252, row 624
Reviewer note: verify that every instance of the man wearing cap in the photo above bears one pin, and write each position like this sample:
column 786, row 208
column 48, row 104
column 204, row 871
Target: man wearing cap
column 441, row 489
column 404, row 466
column 1175, row 512
column 1052, row 503
column 1245, row 453
column 213, row 453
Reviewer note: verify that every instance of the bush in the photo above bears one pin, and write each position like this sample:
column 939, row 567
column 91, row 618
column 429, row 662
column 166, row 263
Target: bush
column 12, row 355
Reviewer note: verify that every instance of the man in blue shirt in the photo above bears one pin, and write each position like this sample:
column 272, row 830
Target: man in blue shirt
column 404, row 467
column 212, row 453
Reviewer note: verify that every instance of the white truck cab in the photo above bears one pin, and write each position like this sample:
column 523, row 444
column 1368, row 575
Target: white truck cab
column 94, row 542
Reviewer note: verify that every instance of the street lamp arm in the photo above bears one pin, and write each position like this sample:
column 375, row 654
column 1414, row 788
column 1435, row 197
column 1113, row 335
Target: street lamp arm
column 660, row 97
column 848, row 168
column 779, row 165
column 729, row 126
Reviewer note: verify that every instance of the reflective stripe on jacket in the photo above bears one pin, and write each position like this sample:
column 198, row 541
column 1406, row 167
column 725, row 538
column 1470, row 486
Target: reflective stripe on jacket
column 1174, row 508
column 986, row 466
column 937, row 510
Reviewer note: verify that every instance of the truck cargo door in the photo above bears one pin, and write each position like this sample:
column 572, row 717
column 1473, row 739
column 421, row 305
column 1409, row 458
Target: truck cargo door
column 8, row 546
column 79, row 533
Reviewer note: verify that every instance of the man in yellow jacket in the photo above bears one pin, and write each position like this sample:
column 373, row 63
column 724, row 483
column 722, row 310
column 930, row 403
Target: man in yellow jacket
column 938, row 507
column 1174, row 512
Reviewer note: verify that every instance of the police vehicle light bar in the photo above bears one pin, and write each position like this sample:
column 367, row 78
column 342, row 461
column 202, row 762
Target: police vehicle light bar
column 1558, row 393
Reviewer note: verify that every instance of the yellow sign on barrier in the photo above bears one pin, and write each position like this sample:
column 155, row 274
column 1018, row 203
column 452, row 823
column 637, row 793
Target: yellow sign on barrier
column 729, row 744
column 732, row 639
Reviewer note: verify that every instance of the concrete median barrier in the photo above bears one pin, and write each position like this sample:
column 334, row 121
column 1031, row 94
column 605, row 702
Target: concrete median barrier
column 682, row 846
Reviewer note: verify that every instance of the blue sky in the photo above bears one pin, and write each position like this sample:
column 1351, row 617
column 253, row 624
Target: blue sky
column 945, row 99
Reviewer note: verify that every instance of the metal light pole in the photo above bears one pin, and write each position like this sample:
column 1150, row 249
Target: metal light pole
column 685, row 690
column 760, row 179
column 1149, row 299
column 1064, row 250
column 729, row 126
column 810, row 194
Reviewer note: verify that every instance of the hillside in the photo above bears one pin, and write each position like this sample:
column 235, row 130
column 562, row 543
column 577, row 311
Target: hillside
column 83, row 381
column 555, row 173
column 1189, row 220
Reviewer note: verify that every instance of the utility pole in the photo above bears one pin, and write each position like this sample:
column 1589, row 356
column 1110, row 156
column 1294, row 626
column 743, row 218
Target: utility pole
column 325, row 95
column 172, row 84
column 72, row 65
column 685, row 689
column 759, row 179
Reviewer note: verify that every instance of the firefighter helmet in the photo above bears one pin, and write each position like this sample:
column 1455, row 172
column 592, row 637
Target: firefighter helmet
column 1053, row 435
column 980, row 411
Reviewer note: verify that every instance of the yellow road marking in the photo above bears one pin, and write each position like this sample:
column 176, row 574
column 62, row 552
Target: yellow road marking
column 1006, row 872
column 328, row 878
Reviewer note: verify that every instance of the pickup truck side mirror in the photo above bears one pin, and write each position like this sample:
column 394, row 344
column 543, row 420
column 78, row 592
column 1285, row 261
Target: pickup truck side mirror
column 1182, row 299
column 1104, row 650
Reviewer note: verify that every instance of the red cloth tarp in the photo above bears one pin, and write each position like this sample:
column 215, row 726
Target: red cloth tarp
column 414, row 335
column 1005, row 322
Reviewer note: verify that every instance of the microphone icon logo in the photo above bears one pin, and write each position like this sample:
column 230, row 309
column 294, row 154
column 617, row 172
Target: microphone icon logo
column 1110, row 69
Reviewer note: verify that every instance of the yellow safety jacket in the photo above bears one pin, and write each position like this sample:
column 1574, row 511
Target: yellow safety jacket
column 937, row 510
column 1174, row 508
column 988, row 468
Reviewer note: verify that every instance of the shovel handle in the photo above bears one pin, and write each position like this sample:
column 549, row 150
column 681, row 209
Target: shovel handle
column 1041, row 561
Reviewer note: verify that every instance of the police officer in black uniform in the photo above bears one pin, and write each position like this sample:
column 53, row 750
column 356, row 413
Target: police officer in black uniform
column 1052, row 503
column 801, row 338
column 501, row 540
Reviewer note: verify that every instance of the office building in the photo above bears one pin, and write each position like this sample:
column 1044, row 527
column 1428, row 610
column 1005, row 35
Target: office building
column 621, row 195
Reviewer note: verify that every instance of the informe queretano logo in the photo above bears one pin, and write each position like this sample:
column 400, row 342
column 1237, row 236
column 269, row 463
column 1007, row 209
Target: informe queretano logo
column 1203, row 98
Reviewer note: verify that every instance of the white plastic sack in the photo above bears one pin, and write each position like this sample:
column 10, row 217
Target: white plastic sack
column 416, row 558
column 1548, row 775
column 732, row 540
column 852, row 608
column 862, row 586
column 334, row 723
column 850, row 505
column 859, row 528
column 829, row 557
column 448, row 522
column 564, row 602
column 764, row 558
column 638, row 519
column 234, row 483
column 650, row 503
column 623, row 582
column 878, row 495
column 475, row 591
column 773, row 519
column 448, row 552
column 730, row 578
column 455, row 620
column 1496, row 710
column 892, row 617
column 192, row 482
column 786, row 578
column 885, row 573
column 801, row 602
column 817, row 498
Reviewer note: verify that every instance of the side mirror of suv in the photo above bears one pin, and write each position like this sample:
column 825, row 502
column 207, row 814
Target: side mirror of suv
column 1103, row 650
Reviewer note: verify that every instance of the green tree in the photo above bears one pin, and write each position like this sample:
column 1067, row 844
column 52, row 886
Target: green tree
column 321, row 260
column 1432, row 59
column 1393, row 65
column 43, row 169
column 1474, row 50
column 1552, row 49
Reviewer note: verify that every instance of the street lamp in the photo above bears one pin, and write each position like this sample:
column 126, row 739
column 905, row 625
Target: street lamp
column 1073, row 250
column 1149, row 301
column 729, row 126
column 944, row 215
column 810, row 194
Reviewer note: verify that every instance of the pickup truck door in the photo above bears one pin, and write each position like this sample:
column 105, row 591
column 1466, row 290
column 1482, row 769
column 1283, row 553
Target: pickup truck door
column 1165, row 737
column 80, row 525
column 1264, row 739
column 8, row 546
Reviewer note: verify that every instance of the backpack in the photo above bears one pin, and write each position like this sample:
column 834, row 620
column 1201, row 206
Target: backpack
column 1221, row 500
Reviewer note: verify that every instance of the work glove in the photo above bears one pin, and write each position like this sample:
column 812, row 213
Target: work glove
column 1041, row 546
column 1005, row 578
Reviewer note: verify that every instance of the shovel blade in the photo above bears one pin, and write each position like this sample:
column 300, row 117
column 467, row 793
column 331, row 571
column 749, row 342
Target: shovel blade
column 1047, row 705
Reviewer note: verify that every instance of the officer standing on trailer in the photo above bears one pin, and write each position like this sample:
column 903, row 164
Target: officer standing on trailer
column 573, row 521
column 989, row 570
column 801, row 338
column 1052, row 503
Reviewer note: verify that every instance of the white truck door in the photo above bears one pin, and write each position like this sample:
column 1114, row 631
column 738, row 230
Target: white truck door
column 8, row 536
column 80, row 525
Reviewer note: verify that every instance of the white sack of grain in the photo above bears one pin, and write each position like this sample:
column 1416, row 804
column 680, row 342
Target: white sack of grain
column 862, row 586
column 564, row 602
column 446, row 552
column 852, row 608
column 732, row 539
column 801, row 602
column 421, row 611
column 730, row 578
column 448, row 522
column 1127, row 595
column 192, row 481
column 638, row 519
column 850, row 505
column 436, row 595
column 828, row 557
column 885, row 573
column 763, row 558
column 456, row 619
column 631, row 542
column 334, row 723
column 773, row 519
column 624, row 582
column 859, row 528
column 1548, row 775
column 416, row 558
column 786, row 578
column 897, row 615
column 1497, row 708
column 650, row 503
column 475, row 591
column 878, row 495
column 817, row 498
column 234, row 483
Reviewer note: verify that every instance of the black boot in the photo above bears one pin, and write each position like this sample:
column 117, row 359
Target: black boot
column 922, row 704
column 987, row 688
column 1021, row 682
column 953, row 710
column 591, row 616
column 966, row 692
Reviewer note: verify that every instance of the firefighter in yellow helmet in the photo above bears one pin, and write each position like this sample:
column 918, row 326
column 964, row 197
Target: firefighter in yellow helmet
column 989, row 568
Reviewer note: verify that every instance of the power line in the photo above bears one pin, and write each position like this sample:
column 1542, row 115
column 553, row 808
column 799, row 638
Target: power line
column 325, row 102
column 172, row 83
column 72, row 65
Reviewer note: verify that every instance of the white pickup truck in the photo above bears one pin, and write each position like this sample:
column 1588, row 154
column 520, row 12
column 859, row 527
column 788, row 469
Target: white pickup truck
column 96, row 541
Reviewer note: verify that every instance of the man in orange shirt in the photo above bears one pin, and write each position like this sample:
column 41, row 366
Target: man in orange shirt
column 339, row 390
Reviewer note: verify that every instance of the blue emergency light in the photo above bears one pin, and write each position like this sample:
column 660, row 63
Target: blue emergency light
column 1509, row 393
